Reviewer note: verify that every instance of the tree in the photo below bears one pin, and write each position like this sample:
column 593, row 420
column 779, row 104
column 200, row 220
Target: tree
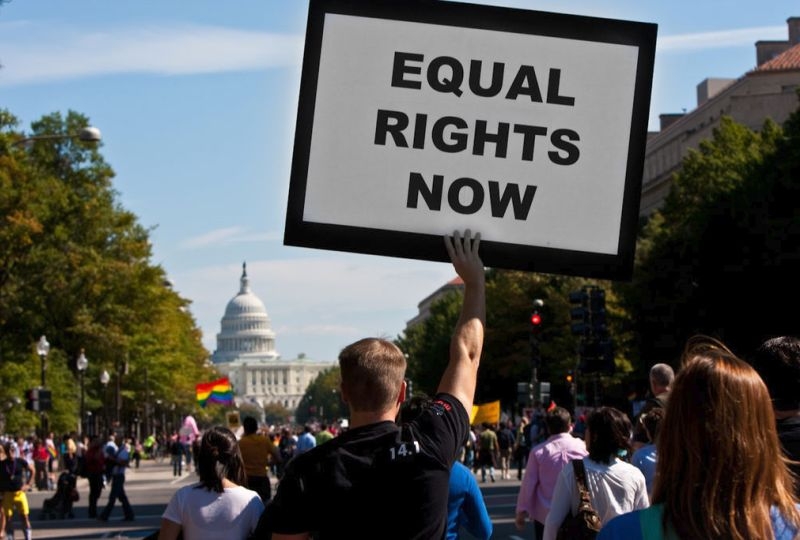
column 506, row 358
column 276, row 414
column 75, row 266
column 722, row 254
column 322, row 399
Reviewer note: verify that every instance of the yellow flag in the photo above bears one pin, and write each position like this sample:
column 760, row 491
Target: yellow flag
column 488, row 412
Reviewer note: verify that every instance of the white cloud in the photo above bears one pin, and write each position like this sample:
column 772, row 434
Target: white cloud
column 229, row 235
column 35, row 53
column 721, row 39
column 211, row 238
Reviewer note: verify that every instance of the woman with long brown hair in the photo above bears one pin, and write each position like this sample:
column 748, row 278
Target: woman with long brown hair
column 720, row 472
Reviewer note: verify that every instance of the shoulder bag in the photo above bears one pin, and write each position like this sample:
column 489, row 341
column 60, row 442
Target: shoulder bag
column 586, row 523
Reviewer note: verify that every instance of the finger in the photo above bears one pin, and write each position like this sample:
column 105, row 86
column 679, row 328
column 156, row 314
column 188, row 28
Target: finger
column 476, row 243
column 459, row 247
column 448, row 244
column 467, row 240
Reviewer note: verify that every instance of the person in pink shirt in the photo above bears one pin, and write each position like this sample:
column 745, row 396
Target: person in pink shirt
column 545, row 462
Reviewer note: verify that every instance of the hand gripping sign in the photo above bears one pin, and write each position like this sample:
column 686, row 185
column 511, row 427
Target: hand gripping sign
column 419, row 118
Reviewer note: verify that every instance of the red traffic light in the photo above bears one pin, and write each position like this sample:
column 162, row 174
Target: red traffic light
column 536, row 319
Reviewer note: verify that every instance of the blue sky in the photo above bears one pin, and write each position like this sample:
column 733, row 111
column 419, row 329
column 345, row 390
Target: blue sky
column 196, row 102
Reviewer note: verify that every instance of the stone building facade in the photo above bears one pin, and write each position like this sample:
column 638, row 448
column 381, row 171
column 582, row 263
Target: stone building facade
column 767, row 91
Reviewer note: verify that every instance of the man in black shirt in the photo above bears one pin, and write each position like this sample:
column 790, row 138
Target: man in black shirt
column 381, row 480
column 777, row 361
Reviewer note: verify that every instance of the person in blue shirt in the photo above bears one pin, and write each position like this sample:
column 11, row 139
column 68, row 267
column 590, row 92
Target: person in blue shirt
column 720, row 472
column 645, row 457
column 305, row 441
column 465, row 505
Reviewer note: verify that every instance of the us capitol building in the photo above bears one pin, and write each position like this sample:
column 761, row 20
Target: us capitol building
column 246, row 355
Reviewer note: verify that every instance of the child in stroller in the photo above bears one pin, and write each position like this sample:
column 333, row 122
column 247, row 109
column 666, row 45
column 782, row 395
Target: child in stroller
column 59, row 505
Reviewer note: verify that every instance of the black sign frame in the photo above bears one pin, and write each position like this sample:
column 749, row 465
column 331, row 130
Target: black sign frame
column 619, row 266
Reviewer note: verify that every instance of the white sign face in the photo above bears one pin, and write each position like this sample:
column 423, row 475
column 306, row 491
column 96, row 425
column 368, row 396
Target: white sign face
column 422, row 127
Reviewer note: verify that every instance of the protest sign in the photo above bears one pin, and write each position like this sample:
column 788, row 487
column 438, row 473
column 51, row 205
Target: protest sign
column 416, row 119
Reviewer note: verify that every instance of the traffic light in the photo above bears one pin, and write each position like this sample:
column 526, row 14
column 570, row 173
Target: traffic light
column 544, row 393
column 32, row 399
column 524, row 392
column 536, row 321
column 580, row 314
column 536, row 317
column 570, row 378
column 45, row 400
column 596, row 348
column 597, row 306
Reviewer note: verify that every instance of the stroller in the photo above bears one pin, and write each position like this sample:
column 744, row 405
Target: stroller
column 59, row 505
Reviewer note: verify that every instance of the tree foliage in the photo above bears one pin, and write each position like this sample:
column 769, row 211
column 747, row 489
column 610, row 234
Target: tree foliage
column 276, row 414
column 322, row 399
column 506, row 358
column 722, row 254
column 75, row 266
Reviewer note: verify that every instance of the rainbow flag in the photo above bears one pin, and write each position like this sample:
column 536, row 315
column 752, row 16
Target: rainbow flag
column 219, row 391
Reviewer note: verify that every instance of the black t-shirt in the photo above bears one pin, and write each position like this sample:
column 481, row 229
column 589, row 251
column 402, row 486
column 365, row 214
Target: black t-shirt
column 375, row 481
column 505, row 438
column 11, row 474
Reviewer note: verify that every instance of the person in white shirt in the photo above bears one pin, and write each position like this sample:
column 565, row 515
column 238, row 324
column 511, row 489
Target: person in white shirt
column 615, row 487
column 219, row 507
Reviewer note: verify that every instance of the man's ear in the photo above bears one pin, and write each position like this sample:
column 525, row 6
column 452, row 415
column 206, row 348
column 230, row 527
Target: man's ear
column 401, row 397
column 342, row 393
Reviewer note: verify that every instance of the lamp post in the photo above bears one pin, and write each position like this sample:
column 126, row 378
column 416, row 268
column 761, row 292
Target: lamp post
column 82, row 363
column 87, row 134
column 104, row 378
column 42, row 348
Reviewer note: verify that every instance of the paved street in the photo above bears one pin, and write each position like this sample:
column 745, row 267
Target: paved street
column 150, row 487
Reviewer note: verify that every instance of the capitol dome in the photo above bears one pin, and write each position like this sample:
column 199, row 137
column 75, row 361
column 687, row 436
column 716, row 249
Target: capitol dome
column 246, row 329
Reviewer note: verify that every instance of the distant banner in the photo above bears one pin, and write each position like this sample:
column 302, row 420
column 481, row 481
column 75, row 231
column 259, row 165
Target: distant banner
column 488, row 412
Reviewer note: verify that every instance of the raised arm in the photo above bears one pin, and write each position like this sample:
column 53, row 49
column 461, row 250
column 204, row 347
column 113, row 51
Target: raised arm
column 460, row 376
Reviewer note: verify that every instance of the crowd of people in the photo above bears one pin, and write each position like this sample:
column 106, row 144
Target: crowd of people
column 713, row 454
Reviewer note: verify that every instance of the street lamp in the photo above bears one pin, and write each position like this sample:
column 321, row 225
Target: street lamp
column 104, row 378
column 42, row 348
column 87, row 134
column 82, row 363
